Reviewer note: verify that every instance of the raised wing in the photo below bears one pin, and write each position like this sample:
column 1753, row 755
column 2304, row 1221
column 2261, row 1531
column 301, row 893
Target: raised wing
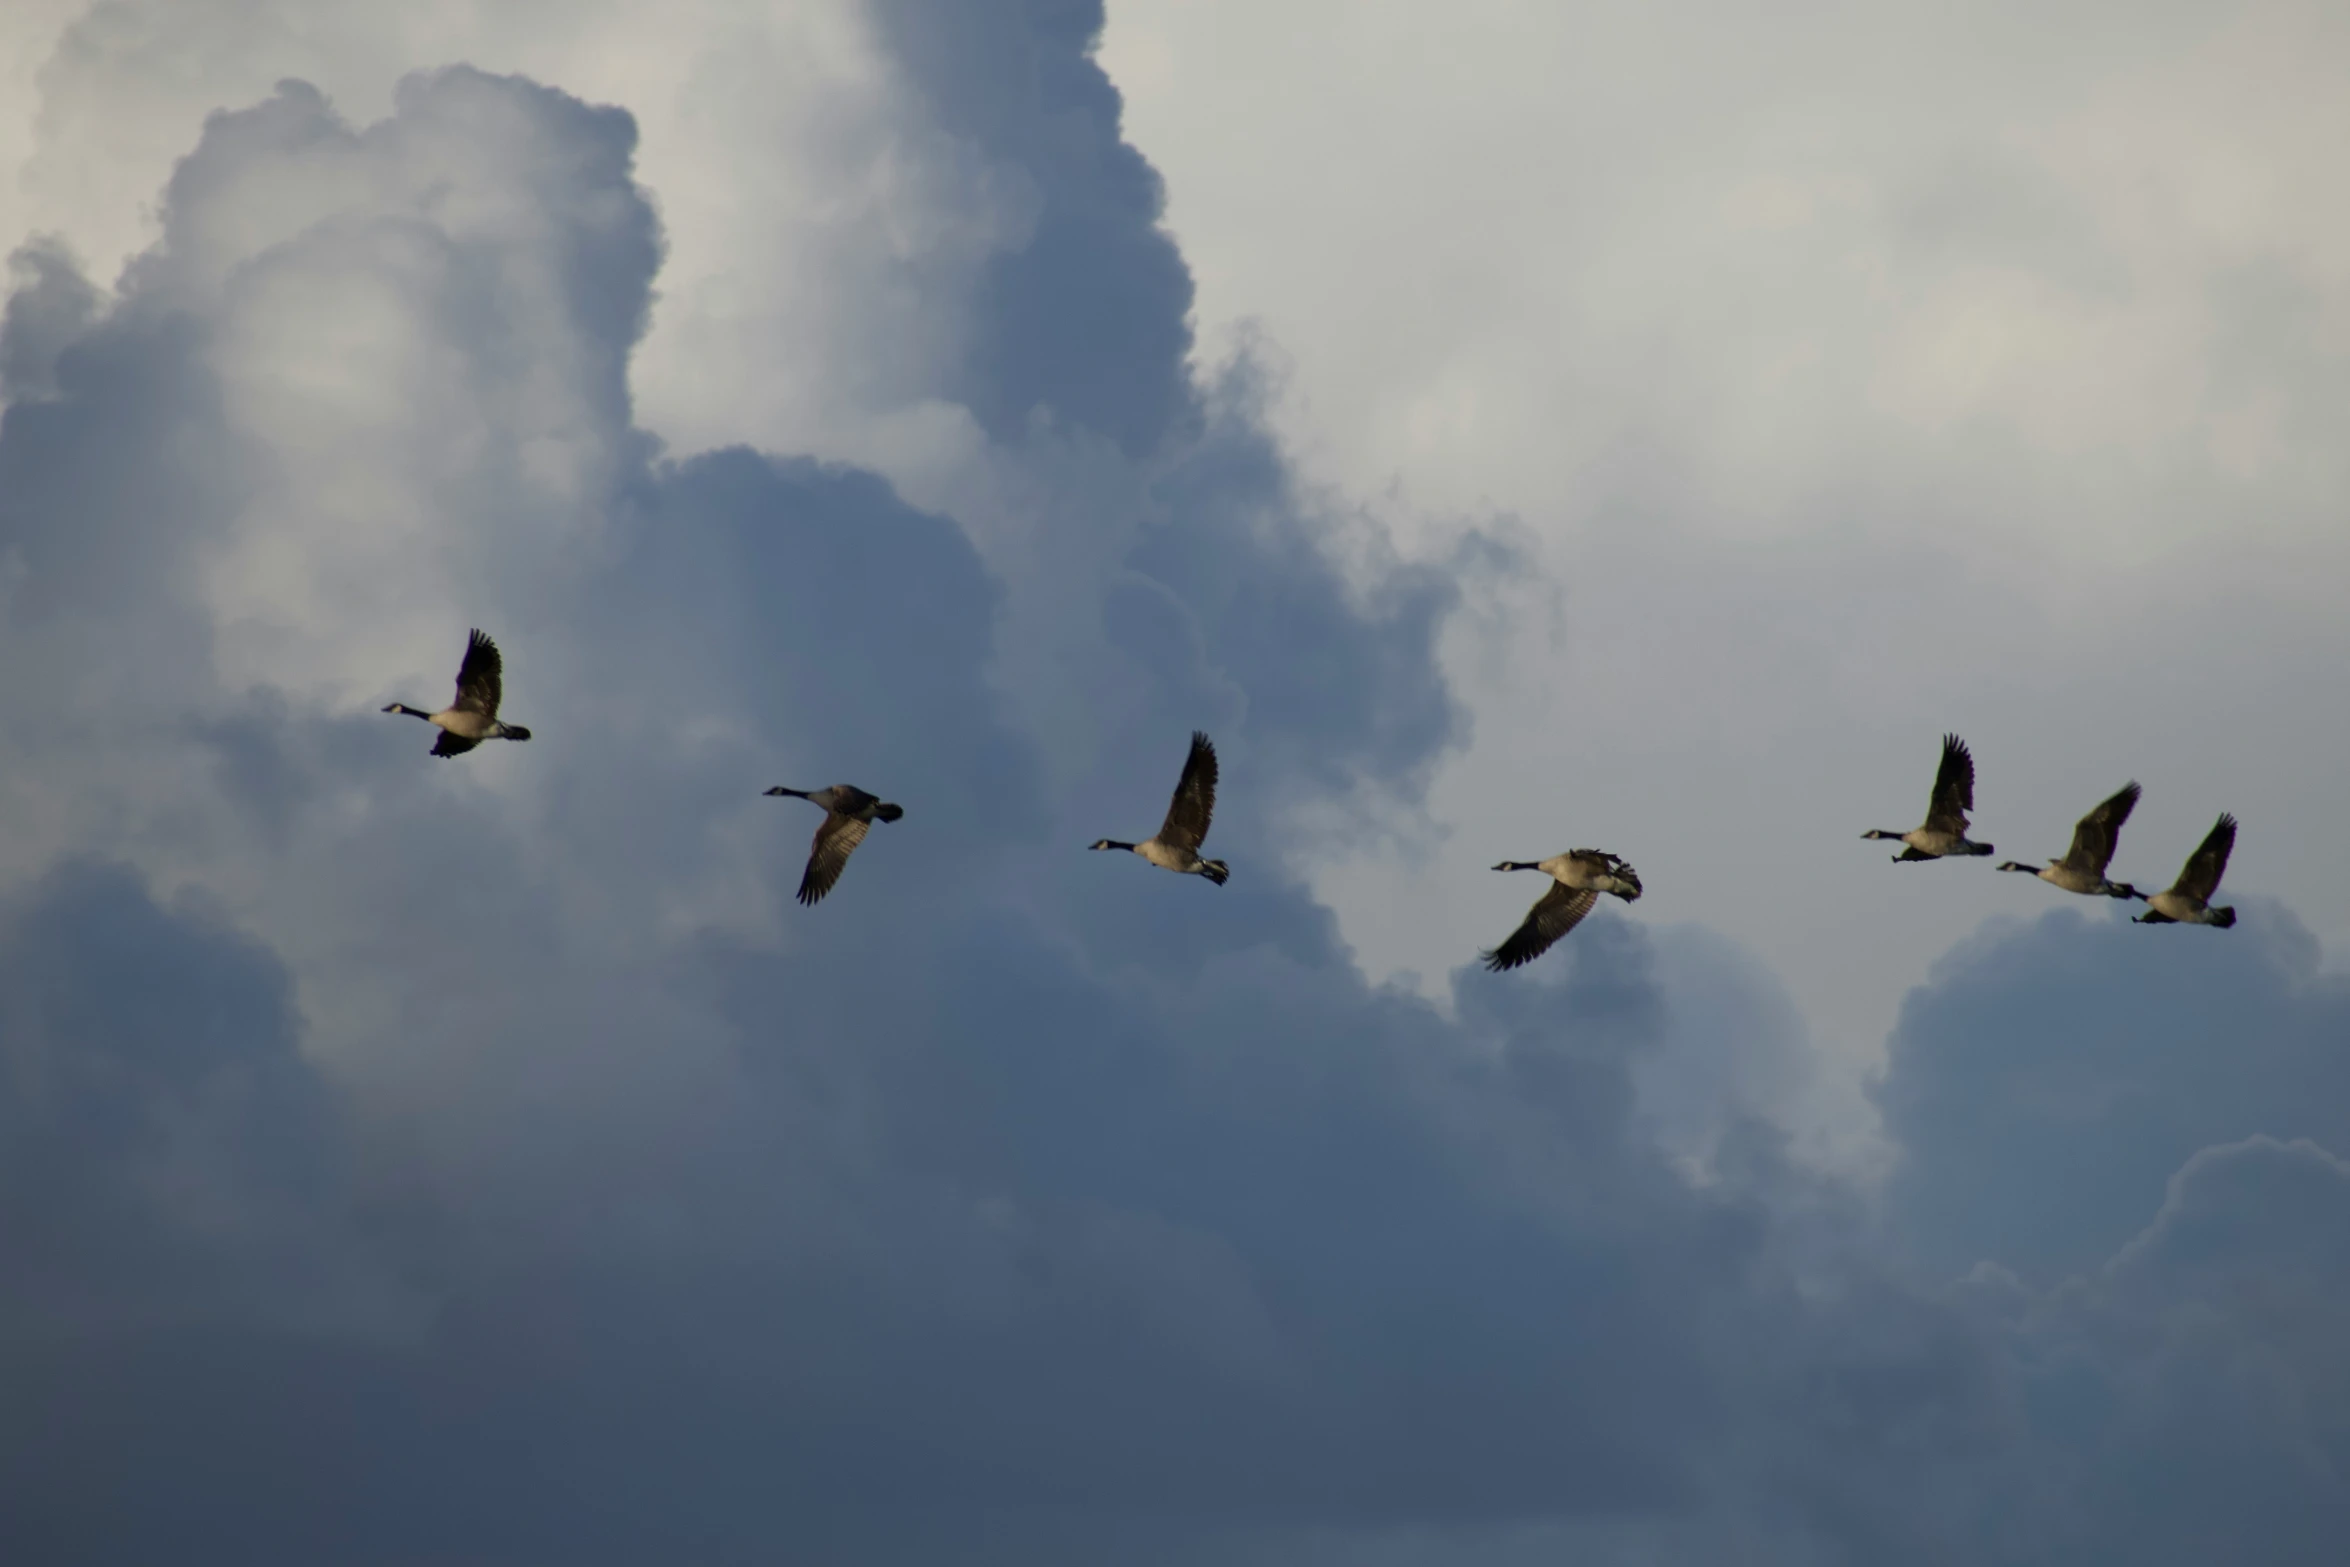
column 837, row 838
column 1954, row 788
column 1186, row 826
column 2210, row 862
column 452, row 745
column 1554, row 914
column 1614, row 865
column 2096, row 833
column 481, row 678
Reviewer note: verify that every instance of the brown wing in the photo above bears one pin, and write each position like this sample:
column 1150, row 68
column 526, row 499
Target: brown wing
column 1186, row 826
column 1954, row 788
column 480, row 679
column 837, row 838
column 1554, row 914
column 2209, row 862
column 452, row 745
column 2096, row 833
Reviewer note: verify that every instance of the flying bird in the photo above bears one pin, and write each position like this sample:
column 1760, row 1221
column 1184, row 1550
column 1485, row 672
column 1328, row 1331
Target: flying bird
column 2082, row 869
column 1578, row 877
column 473, row 717
column 1954, row 795
column 849, row 813
column 2189, row 900
column 1176, row 848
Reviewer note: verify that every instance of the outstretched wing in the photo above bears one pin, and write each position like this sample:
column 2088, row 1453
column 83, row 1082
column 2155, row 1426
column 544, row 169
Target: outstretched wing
column 1954, row 788
column 837, row 838
column 1554, row 914
column 1186, row 826
column 2210, row 862
column 480, row 679
column 2096, row 833
column 452, row 745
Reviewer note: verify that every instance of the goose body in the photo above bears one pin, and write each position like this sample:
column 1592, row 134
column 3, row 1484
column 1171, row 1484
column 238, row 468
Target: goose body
column 849, row 813
column 1176, row 848
column 2188, row 902
column 473, row 716
column 1944, row 832
column 1577, row 877
column 2082, row 869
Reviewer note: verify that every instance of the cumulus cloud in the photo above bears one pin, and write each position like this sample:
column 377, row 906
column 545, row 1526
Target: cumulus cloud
column 2184, row 1397
column 416, row 1161
column 2057, row 1072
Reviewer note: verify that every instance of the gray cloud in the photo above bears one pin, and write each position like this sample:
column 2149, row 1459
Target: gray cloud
column 592, row 1203
column 2182, row 1397
column 2058, row 1071
column 1090, row 318
column 164, row 1140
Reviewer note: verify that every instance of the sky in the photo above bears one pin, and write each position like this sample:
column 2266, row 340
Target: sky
column 1649, row 427
column 1853, row 376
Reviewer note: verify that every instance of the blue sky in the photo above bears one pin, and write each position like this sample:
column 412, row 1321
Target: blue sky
column 421, row 1162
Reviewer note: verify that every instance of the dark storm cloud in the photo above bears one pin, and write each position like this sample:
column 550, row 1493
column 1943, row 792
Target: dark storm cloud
column 161, row 1138
column 1050, row 1234
column 1020, row 1204
column 1090, row 321
column 1229, row 609
column 2055, row 1074
column 2181, row 1404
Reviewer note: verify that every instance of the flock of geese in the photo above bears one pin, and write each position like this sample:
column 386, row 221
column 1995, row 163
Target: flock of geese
column 2082, row 869
column 1578, row 877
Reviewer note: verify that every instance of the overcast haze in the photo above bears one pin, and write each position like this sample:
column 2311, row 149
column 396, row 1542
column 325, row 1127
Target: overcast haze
column 1641, row 427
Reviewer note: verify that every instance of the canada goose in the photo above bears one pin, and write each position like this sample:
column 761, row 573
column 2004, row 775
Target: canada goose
column 2082, row 869
column 1579, row 876
column 1954, row 796
column 1176, row 848
column 2189, row 900
column 473, row 717
column 849, row 814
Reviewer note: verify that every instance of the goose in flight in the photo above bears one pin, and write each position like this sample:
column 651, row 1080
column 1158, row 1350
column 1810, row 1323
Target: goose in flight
column 849, row 813
column 1578, row 877
column 473, row 717
column 1954, row 795
column 1176, row 848
column 2082, row 869
column 2189, row 900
